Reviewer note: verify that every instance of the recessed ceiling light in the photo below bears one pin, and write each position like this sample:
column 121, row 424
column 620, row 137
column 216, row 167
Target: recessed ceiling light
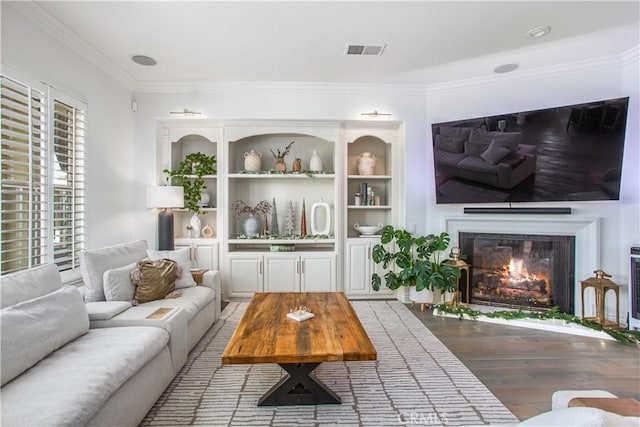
column 505, row 68
column 143, row 60
column 538, row 32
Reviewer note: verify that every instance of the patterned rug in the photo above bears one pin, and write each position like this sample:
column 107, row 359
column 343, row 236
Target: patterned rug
column 415, row 381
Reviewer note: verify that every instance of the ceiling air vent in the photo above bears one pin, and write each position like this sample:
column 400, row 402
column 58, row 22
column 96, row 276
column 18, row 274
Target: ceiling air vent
column 365, row 49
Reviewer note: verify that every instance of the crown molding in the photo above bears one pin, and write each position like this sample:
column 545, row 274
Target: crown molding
column 606, row 62
column 270, row 87
column 50, row 24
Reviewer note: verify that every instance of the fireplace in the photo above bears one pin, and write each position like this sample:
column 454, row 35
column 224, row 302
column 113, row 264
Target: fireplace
column 528, row 271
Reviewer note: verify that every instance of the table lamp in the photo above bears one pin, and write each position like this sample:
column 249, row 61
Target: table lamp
column 165, row 197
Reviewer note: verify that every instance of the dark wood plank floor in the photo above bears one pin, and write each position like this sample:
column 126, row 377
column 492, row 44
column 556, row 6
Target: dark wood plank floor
column 523, row 367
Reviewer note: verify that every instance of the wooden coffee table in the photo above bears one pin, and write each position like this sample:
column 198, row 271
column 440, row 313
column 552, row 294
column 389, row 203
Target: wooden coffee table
column 266, row 335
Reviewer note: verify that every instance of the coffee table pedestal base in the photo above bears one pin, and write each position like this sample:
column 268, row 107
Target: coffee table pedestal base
column 299, row 387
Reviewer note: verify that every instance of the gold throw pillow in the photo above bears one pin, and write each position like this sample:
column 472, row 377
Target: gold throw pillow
column 153, row 279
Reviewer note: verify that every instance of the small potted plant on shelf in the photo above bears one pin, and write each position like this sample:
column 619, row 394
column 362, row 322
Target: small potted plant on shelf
column 189, row 175
column 252, row 223
column 415, row 263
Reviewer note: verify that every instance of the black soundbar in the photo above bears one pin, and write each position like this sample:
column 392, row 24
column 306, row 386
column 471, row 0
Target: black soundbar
column 526, row 211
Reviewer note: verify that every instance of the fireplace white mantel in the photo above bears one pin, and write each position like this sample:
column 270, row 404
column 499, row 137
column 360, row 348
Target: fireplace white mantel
column 586, row 231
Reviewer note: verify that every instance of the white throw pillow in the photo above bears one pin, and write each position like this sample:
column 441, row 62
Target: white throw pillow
column 118, row 285
column 94, row 262
column 183, row 258
column 33, row 329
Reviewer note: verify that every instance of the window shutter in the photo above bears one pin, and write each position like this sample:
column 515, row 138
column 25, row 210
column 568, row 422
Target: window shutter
column 24, row 164
column 43, row 178
column 68, row 184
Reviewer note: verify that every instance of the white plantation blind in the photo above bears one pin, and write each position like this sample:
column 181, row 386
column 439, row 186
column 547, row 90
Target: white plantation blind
column 43, row 191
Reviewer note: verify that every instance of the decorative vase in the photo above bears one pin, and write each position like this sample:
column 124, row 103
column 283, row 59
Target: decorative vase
column 297, row 165
column 208, row 231
column 324, row 229
column 279, row 165
column 315, row 163
column 196, row 224
column 253, row 161
column 367, row 164
column 251, row 225
column 422, row 297
column 204, row 199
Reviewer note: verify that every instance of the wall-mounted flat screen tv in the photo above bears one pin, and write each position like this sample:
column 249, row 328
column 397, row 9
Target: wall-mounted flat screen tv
column 570, row 153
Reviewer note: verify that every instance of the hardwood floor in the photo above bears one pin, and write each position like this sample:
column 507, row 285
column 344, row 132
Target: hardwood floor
column 523, row 367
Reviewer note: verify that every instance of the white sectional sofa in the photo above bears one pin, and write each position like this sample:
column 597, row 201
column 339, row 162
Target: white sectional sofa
column 68, row 362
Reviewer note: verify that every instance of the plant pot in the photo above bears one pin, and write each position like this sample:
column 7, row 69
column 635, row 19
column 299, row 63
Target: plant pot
column 251, row 225
column 422, row 297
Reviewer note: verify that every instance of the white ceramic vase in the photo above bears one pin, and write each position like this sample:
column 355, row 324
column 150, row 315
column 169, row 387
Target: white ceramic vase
column 315, row 163
column 251, row 225
column 196, row 224
column 253, row 161
column 367, row 164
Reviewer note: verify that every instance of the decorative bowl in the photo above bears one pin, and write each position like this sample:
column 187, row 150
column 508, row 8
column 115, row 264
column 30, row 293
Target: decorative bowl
column 367, row 230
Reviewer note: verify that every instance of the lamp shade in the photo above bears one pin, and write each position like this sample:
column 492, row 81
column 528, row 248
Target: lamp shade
column 165, row 197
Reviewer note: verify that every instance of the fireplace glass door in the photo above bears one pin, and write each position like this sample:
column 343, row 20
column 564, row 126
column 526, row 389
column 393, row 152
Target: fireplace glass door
column 534, row 272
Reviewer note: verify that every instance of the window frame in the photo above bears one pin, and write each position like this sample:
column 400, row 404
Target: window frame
column 72, row 233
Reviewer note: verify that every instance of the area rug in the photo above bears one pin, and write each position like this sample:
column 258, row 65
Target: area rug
column 415, row 381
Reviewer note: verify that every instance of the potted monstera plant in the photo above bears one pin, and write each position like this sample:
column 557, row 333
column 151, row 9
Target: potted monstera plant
column 416, row 262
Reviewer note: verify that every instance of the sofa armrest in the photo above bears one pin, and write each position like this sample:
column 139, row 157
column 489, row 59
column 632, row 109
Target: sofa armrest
column 105, row 310
column 211, row 279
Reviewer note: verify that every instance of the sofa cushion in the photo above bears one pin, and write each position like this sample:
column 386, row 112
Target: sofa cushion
column 117, row 283
column 94, row 262
column 449, row 143
column 71, row 385
column 183, row 258
column 446, row 158
column 154, row 279
column 511, row 140
column 192, row 301
column 29, row 284
column 476, row 164
column 33, row 329
column 495, row 153
column 456, row 132
column 475, row 148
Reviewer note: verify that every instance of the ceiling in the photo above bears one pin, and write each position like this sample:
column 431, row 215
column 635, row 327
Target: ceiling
column 304, row 41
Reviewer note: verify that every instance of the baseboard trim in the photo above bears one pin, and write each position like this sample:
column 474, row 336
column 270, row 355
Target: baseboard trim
column 525, row 211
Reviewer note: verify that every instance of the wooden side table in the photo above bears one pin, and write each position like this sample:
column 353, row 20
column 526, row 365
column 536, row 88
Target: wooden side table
column 198, row 274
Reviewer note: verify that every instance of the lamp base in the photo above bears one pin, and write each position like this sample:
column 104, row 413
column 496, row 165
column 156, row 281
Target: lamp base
column 165, row 230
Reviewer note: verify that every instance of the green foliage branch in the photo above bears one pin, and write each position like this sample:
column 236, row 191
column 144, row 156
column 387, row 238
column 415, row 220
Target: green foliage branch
column 416, row 261
column 189, row 175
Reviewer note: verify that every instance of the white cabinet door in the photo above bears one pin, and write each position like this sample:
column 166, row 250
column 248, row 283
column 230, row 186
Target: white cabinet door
column 245, row 274
column 318, row 273
column 206, row 257
column 281, row 273
column 358, row 268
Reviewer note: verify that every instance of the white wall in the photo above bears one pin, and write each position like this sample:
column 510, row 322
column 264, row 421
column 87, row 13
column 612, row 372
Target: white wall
column 32, row 55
